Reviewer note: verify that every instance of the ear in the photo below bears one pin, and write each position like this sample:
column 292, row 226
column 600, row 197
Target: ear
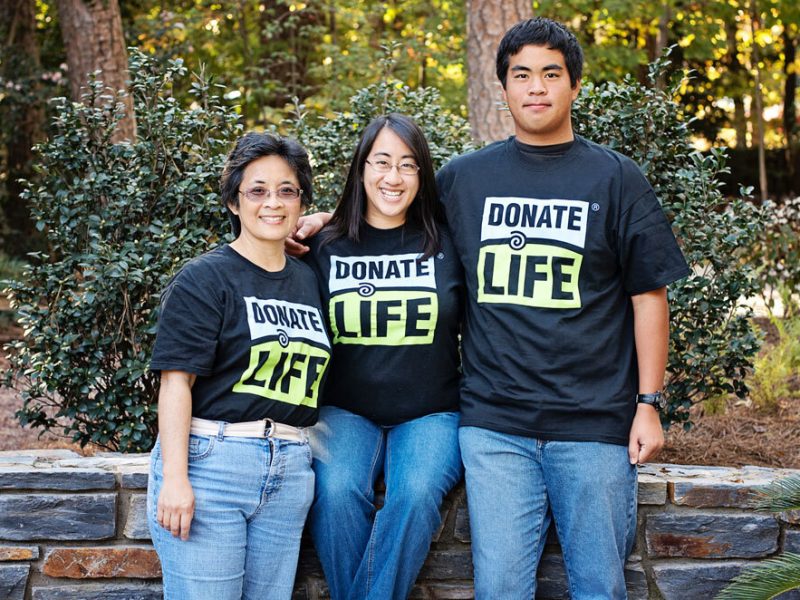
column 233, row 209
column 503, row 94
column 576, row 90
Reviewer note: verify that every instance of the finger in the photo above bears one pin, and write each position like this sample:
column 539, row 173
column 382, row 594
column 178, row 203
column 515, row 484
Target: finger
column 186, row 523
column 175, row 524
column 633, row 451
column 160, row 515
column 295, row 248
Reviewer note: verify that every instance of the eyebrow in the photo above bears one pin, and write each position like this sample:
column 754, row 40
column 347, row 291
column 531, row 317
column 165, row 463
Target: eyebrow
column 289, row 181
column 389, row 156
column 551, row 67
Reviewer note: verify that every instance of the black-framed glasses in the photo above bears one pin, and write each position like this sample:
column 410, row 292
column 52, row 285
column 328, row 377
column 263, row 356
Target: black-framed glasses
column 384, row 166
column 259, row 194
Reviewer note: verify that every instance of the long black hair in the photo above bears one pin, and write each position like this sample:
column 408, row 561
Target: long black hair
column 250, row 147
column 425, row 212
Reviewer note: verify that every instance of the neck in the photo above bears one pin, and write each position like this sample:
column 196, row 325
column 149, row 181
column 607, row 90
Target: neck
column 269, row 256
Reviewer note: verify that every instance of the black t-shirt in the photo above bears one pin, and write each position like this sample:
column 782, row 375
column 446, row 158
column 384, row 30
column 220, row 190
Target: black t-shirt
column 554, row 244
column 394, row 322
column 255, row 339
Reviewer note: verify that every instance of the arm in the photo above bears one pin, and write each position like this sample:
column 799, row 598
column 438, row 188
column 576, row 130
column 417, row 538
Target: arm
column 307, row 226
column 651, row 333
column 176, row 500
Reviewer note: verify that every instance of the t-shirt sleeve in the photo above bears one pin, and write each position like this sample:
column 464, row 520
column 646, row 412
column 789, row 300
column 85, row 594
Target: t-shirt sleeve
column 189, row 325
column 649, row 255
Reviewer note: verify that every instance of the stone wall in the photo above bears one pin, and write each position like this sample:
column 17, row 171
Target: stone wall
column 75, row 528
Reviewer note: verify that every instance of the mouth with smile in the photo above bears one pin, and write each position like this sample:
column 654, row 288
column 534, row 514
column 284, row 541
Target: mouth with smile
column 272, row 219
column 390, row 195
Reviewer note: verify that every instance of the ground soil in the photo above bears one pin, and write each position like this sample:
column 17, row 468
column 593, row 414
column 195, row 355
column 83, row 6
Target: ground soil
column 737, row 436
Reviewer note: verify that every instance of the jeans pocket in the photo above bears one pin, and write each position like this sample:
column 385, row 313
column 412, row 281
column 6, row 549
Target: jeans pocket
column 200, row 447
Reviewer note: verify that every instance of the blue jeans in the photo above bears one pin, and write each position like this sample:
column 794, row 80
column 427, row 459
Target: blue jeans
column 590, row 487
column 377, row 555
column 251, row 500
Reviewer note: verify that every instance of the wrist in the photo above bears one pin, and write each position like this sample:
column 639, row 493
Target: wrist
column 654, row 399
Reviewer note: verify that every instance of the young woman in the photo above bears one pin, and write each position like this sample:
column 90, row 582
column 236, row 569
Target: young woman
column 392, row 284
column 242, row 349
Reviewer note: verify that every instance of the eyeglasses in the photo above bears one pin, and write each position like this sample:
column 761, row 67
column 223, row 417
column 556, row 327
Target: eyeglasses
column 384, row 166
column 285, row 193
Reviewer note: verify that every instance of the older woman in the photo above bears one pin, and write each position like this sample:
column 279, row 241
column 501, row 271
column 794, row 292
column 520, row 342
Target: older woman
column 392, row 284
column 242, row 349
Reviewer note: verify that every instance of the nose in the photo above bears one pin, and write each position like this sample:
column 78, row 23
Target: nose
column 272, row 201
column 393, row 176
column 537, row 86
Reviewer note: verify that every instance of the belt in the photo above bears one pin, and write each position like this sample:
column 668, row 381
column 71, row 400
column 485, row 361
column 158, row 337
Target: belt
column 265, row 428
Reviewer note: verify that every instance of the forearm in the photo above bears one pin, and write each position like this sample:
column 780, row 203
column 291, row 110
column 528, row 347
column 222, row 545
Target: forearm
column 174, row 419
column 651, row 334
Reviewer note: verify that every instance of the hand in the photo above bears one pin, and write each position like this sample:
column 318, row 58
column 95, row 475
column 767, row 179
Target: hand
column 176, row 507
column 307, row 226
column 647, row 435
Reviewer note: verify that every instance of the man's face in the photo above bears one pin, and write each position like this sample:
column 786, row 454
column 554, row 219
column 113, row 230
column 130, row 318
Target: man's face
column 539, row 96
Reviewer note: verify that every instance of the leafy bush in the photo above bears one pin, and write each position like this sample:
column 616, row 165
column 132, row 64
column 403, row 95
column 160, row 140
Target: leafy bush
column 331, row 141
column 120, row 219
column 712, row 343
column 777, row 254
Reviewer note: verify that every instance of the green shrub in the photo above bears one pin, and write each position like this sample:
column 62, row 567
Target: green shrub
column 777, row 255
column 331, row 141
column 712, row 343
column 120, row 219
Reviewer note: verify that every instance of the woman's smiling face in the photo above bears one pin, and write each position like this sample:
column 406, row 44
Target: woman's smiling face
column 389, row 194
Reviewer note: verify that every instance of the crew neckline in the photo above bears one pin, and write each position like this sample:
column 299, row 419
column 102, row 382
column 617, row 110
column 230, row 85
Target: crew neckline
column 284, row 272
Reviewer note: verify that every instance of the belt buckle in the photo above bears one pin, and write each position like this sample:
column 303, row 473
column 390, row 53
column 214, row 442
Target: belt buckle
column 269, row 426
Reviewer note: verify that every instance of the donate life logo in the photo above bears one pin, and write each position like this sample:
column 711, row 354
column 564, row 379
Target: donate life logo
column 386, row 300
column 531, row 252
column 290, row 354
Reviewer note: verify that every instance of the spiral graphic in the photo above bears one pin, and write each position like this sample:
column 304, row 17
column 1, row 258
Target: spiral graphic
column 517, row 240
column 283, row 338
column 366, row 289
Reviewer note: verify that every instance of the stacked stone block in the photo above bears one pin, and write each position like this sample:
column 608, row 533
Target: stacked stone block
column 76, row 528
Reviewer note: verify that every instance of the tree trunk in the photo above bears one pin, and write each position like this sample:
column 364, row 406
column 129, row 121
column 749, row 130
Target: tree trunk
column 487, row 21
column 735, row 68
column 755, row 25
column 92, row 34
column 20, row 65
column 789, row 110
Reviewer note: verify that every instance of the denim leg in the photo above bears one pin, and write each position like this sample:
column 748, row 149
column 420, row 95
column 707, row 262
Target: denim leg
column 275, row 528
column 422, row 465
column 348, row 457
column 236, row 483
column 507, row 501
column 592, row 489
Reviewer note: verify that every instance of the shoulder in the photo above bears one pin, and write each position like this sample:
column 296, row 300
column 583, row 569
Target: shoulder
column 609, row 158
column 203, row 267
column 470, row 159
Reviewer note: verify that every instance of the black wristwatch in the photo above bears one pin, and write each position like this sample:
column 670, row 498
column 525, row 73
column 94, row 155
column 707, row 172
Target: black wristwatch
column 656, row 400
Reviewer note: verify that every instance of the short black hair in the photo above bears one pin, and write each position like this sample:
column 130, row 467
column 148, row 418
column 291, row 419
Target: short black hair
column 252, row 146
column 541, row 32
column 425, row 211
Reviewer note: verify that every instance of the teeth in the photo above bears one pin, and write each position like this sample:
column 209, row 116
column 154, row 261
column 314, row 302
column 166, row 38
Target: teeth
column 391, row 193
column 272, row 219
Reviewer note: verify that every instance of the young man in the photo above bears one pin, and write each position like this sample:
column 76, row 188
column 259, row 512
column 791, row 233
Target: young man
column 567, row 254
